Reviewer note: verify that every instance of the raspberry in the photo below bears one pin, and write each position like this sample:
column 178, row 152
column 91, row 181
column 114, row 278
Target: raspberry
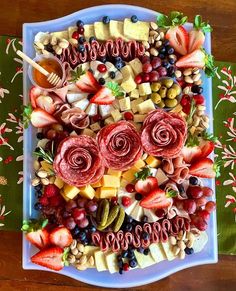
column 44, row 200
column 126, row 267
column 126, row 201
column 56, row 201
column 51, row 190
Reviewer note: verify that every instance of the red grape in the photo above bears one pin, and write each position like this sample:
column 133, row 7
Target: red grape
column 114, row 200
column 91, row 206
column 101, row 68
column 70, row 223
column 190, row 206
column 51, row 134
column 126, row 201
column 145, row 77
column 160, row 213
column 199, row 222
column 210, row 206
column 147, row 68
column 130, row 188
column 78, row 214
column 138, row 79
column 81, row 202
column 156, row 62
column 128, row 116
column 153, row 76
column 162, row 71
column 83, row 222
column 70, row 205
column 208, row 192
column 194, row 192
column 145, row 59
column 203, row 214
column 201, row 201
column 66, row 214
column 75, row 35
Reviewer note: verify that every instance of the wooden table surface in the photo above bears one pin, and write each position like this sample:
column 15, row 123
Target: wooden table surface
column 221, row 15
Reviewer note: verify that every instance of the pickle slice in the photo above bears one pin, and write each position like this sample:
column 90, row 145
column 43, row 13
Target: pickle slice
column 119, row 220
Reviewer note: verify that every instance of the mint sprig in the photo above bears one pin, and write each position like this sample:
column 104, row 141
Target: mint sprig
column 174, row 19
column 210, row 68
column 115, row 88
column 33, row 225
column 76, row 74
column 26, row 114
column 142, row 175
column 200, row 25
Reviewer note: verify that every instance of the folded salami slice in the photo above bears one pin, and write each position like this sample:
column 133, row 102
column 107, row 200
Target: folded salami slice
column 78, row 161
column 120, row 145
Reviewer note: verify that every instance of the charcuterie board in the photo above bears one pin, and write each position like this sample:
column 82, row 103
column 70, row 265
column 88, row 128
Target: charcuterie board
column 118, row 169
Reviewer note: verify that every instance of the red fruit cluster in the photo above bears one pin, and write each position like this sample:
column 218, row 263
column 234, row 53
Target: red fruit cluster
column 51, row 196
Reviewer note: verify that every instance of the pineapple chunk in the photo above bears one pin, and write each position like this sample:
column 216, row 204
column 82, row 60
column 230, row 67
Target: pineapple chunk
column 46, row 166
column 153, row 162
column 97, row 193
column 114, row 173
column 110, row 181
column 145, row 106
column 123, row 182
column 107, row 192
column 87, row 192
column 137, row 66
column 139, row 164
column 128, row 84
column 59, row 183
column 70, row 191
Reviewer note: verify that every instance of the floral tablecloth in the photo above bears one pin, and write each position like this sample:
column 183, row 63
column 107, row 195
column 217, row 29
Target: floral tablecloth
column 11, row 175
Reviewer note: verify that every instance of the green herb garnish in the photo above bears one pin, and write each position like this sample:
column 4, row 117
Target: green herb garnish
column 142, row 175
column 174, row 19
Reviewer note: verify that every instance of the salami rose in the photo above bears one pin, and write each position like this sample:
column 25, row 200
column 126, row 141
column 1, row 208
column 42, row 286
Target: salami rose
column 119, row 145
column 163, row 134
column 78, row 161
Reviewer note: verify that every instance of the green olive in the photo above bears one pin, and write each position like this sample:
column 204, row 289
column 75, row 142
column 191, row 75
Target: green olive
column 177, row 88
column 161, row 104
column 171, row 102
column 156, row 98
column 155, row 86
column 171, row 93
column 168, row 82
column 163, row 91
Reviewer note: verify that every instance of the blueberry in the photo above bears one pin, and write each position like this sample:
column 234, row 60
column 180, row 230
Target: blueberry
column 146, row 252
column 145, row 235
column 103, row 59
column 128, row 227
column 102, row 81
column 38, row 206
column 81, row 40
column 181, row 188
column 81, row 48
column 170, row 50
column 106, row 19
column 86, row 242
column 134, row 18
column 166, row 43
column 119, row 258
column 40, row 135
column 92, row 228
column 92, row 38
column 193, row 181
column 161, row 56
column 171, row 61
column 189, row 251
column 38, row 187
column 162, row 50
column 131, row 253
column 79, row 23
column 112, row 75
column 165, row 63
column 132, row 263
column 128, row 219
column 38, row 194
column 37, row 149
column 125, row 254
column 118, row 59
column 140, row 250
column 49, row 48
column 170, row 70
column 145, row 218
column 120, row 264
column 82, row 236
column 75, row 232
column 118, row 65
column 121, row 271
column 138, row 196
column 197, row 89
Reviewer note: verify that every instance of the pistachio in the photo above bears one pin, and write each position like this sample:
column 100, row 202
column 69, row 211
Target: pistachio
column 186, row 90
column 73, row 244
column 153, row 25
column 205, row 124
column 151, row 39
column 182, row 254
column 178, row 73
column 36, row 165
column 42, row 174
column 146, row 44
column 81, row 267
column 196, row 77
column 189, row 244
column 53, row 40
column 74, row 251
column 35, row 181
column 45, row 181
column 73, row 41
column 71, row 259
column 201, row 107
column 187, row 72
column 181, row 245
column 39, row 45
column 199, row 129
column 188, row 79
column 153, row 32
column 162, row 35
column 147, row 54
column 45, row 52
column 83, row 260
column 190, row 236
column 46, row 40
column 91, row 261
column 196, row 120
column 157, row 37
column 176, row 250
column 192, row 130
column 158, row 44
column 79, row 255
column 195, row 71
column 80, row 247
column 63, row 43
column 200, row 112
column 199, row 82
column 58, row 50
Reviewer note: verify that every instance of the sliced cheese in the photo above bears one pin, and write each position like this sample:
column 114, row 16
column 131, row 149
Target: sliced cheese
column 82, row 104
column 116, row 29
column 110, row 181
column 105, row 110
column 88, row 131
column 125, row 104
column 168, row 251
column 143, row 260
column 101, row 31
column 157, row 252
column 137, row 212
column 146, row 106
column 117, row 116
column 87, row 192
column 107, row 192
column 88, row 31
column 153, row 162
column 100, row 261
column 92, row 109
column 129, row 209
column 73, row 97
column 136, row 31
column 136, row 66
column 150, row 215
column 60, row 34
column 111, row 260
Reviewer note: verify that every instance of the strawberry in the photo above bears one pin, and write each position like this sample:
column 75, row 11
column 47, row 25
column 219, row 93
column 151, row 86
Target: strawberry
column 87, row 83
column 106, row 95
column 178, row 38
column 203, row 168
column 157, row 198
column 40, row 118
column 51, row 190
column 51, row 258
column 199, row 99
column 36, row 233
column 196, row 59
column 61, row 237
column 34, row 93
column 45, row 103
column 206, row 147
column 56, row 201
column 191, row 153
column 145, row 182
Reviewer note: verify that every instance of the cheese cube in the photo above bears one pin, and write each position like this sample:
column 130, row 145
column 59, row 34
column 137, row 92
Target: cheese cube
column 82, row 104
column 125, row 104
column 92, row 109
column 47, row 167
column 144, row 89
column 127, row 72
column 129, row 175
column 109, row 120
column 137, row 126
column 100, row 261
column 88, row 132
column 161, row 177
column 60, row 34
column 137, row 66
column 64, row 196
column 73, row 133
column 95, row 126
column 123, row 182
column 101, row 31
column 70, row 191
column 139, row 117
column 89, row 31
column 137, row 31
column 134, row 104
column 134, row 94
column 177, row 108
column 107, row 192
column 145, row 106
column 114, row 173
column 110, row 181
column 87, row 192
column 128, row 84
column 153, row 162
column 105, row 110
column 111, row 260
column 116, row 115
column 139, row 164
column 97, row 193
column 59, row 183
column 96, row 185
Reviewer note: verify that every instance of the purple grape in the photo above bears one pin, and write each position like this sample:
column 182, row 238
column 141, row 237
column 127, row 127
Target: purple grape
column 83, row 222
column 81, row 202
column 70, row 223
column 91, row 206
column 70, row 205
column 162, row 71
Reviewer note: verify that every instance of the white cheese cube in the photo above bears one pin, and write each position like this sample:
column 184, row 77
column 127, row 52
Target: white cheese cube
column 118, row 78
column 92, row 109
column 127, row 71
column 88, row 131
column 110, row 67
column 100, row 261
column 82, row 104
column 145, row 106
column 85, row 66
column 101, row 31
column 105, row 110
column 124, row 104
column 134, row 94
column 88, row 31
column 137, row 31
column 168, row 251
column 144, row 89
column 109, row 120
column 139, row 117
column 137, row 66
column 111, row 260
column 144, row 261
column 116, row 115
column 128, row 84
column 73, row 97
column 116, row 29
column 134, row 104
column 95, row 126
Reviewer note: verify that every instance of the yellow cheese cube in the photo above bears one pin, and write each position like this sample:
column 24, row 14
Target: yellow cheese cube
column 127, row 71
column 125, row 104
column 97, row 193
column 136, row 65
column 137, row 31
column 58, row 182
column 128, row 84
column 107, row 192
column 110, row 181
column 64, row 196
column 60, row 34
column 153, row 162
column 70, row 191
column 177, row 108
column 95, row 126
column 129, row 175
column 96, row 185
column 101, row 31
column 146, row 106
column 114, row 173
column 134, row 94
column 88, row 131
column 144, row 89
column 47, row 167
column 139, row 164
column 123, row 183
column 87, row 192
column 139, row 117
column 116, row 115
column 88, row 31
column 134, row 104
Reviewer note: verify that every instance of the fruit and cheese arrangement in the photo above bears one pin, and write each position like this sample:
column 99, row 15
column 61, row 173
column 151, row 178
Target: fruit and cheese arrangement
column 122, row 156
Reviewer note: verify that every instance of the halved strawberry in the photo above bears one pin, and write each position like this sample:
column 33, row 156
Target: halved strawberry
column 40, row 118
column 61, row 237
column 207, row 147
column 178, row 38
column 196, row 40
column 45, row 103
column 51, row 258
column 103, row 97
column 156, row 199
column 146, row 186
column 34, row 93
column 191, row 153
column 203, row 168
column 87, row 83
column 196, row 59
column 199, row 99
